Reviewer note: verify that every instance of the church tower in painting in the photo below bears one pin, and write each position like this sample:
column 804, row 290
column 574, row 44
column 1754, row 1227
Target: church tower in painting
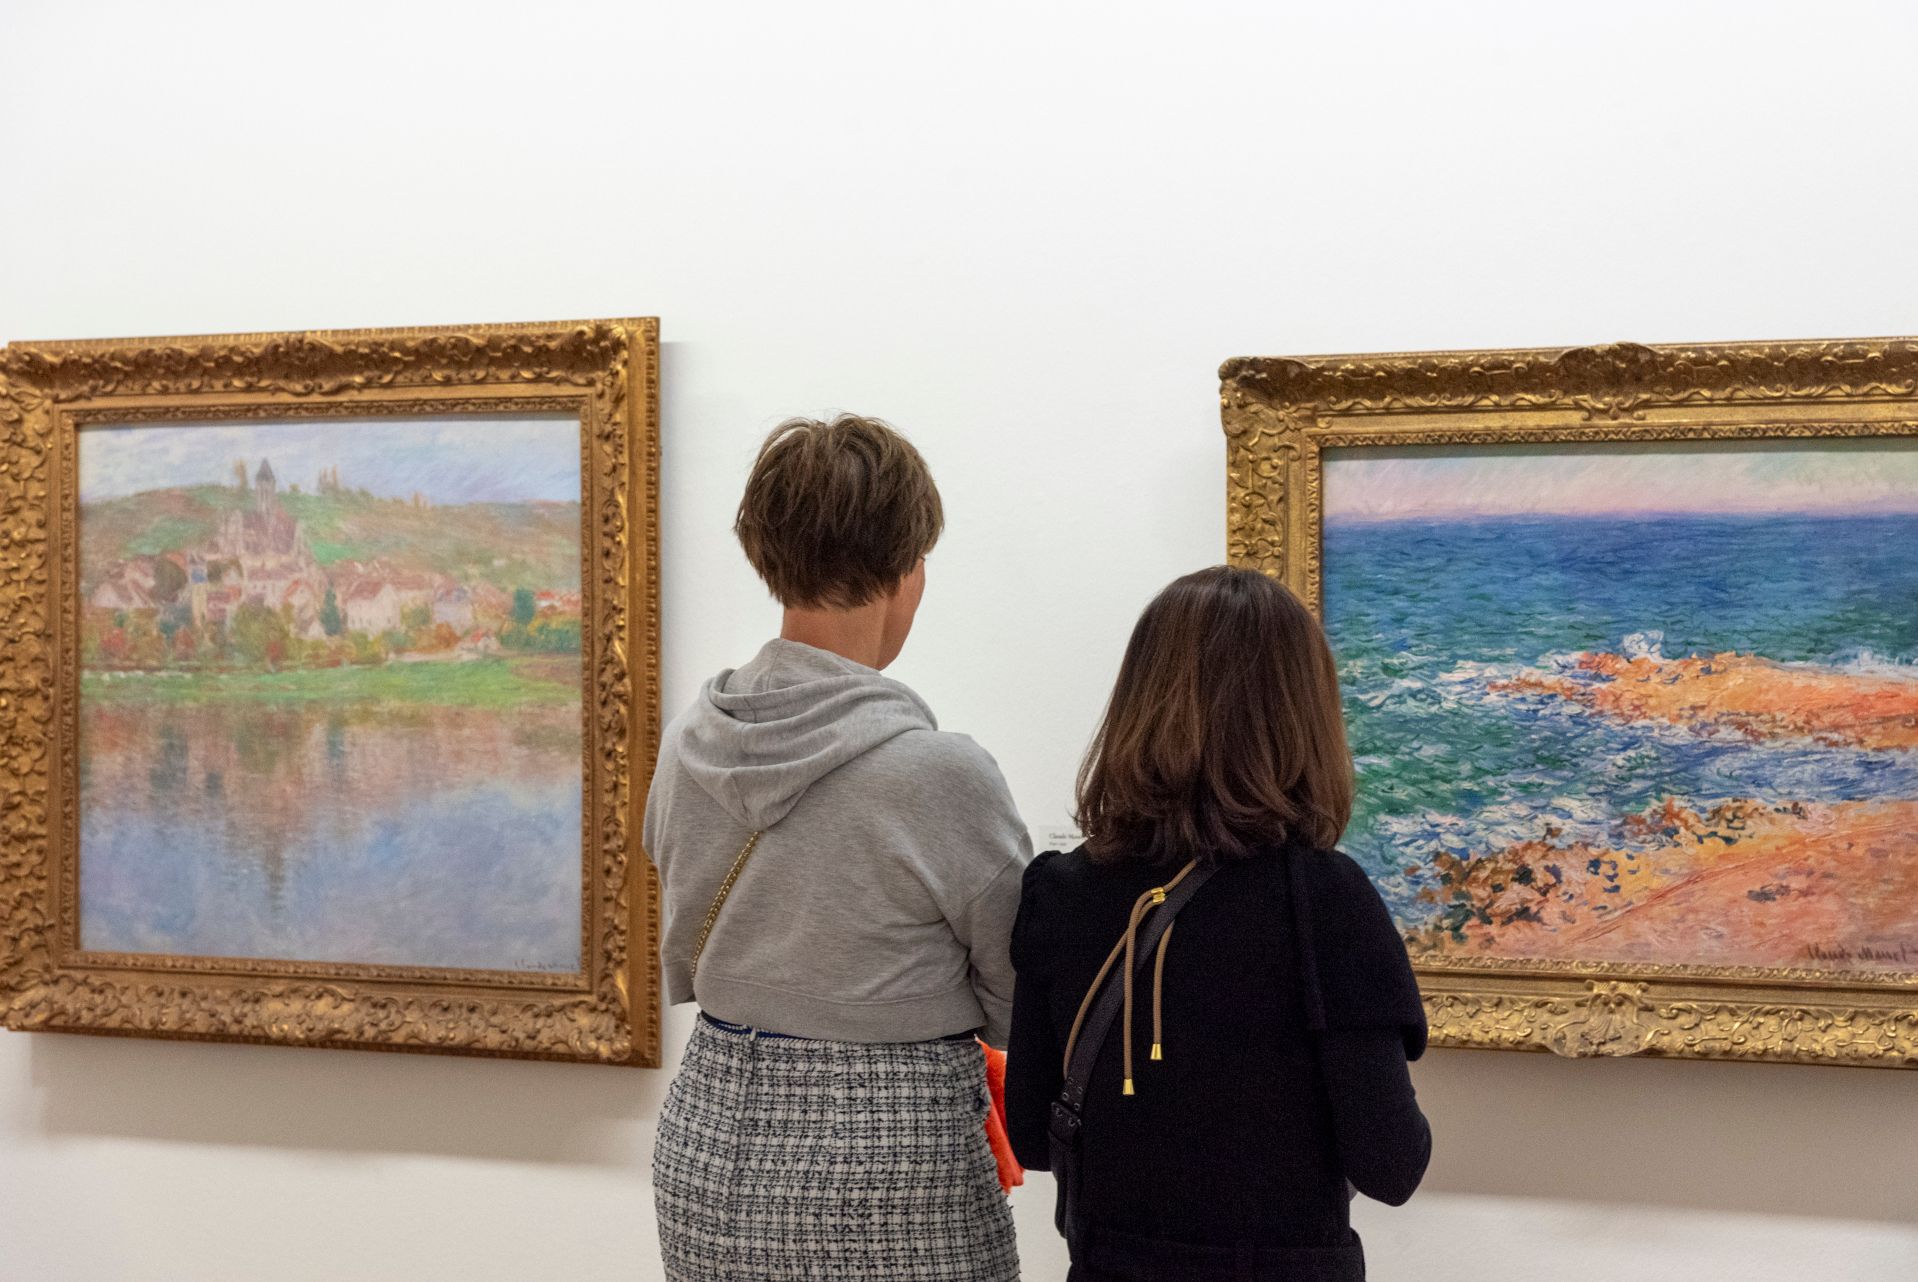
column 263, row 487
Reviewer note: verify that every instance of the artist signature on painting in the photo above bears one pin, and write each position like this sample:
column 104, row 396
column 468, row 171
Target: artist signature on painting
column 1880, row 954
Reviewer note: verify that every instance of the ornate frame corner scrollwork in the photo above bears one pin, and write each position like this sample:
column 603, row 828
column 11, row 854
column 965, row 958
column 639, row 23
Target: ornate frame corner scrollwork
column 1280, row 415
column 604, row 371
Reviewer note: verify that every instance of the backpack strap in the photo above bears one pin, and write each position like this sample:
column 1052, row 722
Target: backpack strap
column 1151, row 917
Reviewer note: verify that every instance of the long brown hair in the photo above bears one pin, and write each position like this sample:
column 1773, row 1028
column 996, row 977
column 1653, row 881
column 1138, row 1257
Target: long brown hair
column 1224, row 735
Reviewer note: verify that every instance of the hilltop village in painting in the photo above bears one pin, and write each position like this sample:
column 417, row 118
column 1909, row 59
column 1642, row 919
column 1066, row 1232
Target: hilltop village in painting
column 251, row 591
column 330, row 696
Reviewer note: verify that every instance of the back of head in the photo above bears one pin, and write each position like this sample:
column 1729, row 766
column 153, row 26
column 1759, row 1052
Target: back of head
column 1224, row 733
column 837, row 513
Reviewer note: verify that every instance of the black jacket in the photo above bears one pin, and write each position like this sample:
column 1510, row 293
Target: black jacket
column 1289, row 1011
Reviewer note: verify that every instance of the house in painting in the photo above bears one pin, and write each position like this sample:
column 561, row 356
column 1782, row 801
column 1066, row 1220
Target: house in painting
column 477, row 645
column 216, row 605
column 122, row 592
column 453, row 606
column 371, row 606
column 490, row 603
column 129, row 585
column 417, row 591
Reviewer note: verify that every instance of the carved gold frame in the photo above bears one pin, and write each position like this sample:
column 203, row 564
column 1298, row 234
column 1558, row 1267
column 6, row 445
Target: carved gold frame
column 605, row 372
column 1282, row 414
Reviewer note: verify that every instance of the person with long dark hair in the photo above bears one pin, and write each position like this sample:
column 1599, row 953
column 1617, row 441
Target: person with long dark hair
column 1210, row 1099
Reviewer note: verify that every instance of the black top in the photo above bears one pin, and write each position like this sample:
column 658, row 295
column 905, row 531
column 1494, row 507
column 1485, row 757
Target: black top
column 1289, row 1012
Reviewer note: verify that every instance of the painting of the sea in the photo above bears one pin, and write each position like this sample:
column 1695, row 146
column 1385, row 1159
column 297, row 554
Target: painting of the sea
column 330, row 692
column 1648, row 705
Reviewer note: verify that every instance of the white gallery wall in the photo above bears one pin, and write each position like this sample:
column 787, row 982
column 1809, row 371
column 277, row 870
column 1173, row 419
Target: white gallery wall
column 1027, row 233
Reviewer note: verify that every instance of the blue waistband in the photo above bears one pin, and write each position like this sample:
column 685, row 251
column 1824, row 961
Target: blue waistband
column 747, row 1030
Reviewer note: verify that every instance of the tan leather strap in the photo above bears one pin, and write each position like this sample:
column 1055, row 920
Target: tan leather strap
column 719, row 900
column 1094, row 1020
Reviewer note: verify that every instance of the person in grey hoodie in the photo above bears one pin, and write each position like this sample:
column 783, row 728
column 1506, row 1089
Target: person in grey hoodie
column 839, row 879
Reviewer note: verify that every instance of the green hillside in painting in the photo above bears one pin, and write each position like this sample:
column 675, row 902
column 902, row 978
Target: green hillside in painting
column 503, row 544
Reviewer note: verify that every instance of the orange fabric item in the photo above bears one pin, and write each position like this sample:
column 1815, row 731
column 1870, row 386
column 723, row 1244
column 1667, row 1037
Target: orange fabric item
column 1011, row 1174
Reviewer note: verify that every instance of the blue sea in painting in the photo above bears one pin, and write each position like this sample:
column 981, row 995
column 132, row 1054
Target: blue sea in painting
column 1425, row 616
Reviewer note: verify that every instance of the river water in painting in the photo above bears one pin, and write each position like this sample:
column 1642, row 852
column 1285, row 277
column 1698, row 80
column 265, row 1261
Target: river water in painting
column 407, row 835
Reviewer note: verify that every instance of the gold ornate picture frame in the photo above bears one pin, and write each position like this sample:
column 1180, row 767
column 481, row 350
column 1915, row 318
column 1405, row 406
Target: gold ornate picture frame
column 1749, row 889
column 380, row 731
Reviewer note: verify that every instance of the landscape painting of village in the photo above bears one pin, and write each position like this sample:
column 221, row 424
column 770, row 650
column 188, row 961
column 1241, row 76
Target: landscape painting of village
column 1656, row 705
column 330, row 704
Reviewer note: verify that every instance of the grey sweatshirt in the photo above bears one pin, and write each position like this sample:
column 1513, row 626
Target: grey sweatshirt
column 878, row 905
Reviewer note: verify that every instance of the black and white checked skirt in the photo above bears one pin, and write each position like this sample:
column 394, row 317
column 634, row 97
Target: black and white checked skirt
column 786, row 1158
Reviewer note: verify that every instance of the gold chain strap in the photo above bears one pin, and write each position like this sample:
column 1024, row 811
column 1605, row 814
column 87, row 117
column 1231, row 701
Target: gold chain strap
column 719, row 900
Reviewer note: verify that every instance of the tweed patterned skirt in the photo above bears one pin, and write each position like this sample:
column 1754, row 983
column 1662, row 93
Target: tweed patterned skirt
column 783, row 1159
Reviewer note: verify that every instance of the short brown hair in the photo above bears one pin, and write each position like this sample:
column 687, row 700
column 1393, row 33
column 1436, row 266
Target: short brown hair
column 837, row 513
column 1224, row 735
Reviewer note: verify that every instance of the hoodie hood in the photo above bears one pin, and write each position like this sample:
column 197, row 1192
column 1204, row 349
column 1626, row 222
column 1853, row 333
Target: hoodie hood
column 760, row 735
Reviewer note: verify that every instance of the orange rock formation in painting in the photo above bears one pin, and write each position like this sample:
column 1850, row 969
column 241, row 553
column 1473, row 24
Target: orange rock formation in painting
column 1754, row 696
column 1751, row 883
column 1745, row 884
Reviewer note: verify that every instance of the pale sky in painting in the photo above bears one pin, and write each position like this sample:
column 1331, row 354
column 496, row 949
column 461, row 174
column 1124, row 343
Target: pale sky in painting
column 449, row 460
column 1829, row 478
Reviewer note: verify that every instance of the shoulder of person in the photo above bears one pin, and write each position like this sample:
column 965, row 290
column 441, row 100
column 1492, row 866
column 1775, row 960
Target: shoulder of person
column 1336, row 896
column 1055, row 883
column 1038, row 888
column 1333, row 872
column 1362, row 971
column 670, row 736
column 946, row 792
column 943, row 766
column 1046, row 869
